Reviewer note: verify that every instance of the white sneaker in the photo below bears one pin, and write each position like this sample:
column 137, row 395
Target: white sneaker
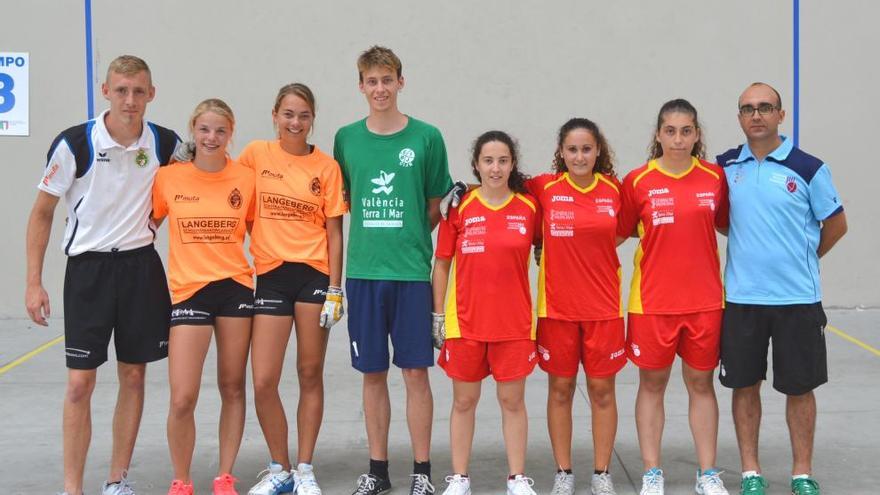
column 520, row 485
column 652, row 482
column 602, row 485
column 122, row 487
column 709, row 483
column 274, row 480
column 563, row 483
column 305, row 481
column 457, row 485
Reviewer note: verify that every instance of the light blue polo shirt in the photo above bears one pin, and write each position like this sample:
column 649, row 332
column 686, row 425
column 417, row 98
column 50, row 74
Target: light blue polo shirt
column 775, row 209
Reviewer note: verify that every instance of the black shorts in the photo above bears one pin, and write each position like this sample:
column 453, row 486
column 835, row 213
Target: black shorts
column 221, row 298
column 279, row 289
column 798, row 335
column 123, row 293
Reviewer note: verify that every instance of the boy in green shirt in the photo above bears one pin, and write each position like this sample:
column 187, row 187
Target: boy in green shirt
column 395, row 172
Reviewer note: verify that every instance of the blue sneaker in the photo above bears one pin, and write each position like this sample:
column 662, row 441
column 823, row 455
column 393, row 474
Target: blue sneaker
column 274, row 480
column 652, row 482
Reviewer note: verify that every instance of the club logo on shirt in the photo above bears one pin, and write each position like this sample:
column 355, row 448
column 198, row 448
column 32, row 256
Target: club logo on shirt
column 141, row 159
column 406, row 157
column 315, row 186
column 235, row 199
column 51, row 173
column 384, row 183
column 791, row 184
column 268, row 174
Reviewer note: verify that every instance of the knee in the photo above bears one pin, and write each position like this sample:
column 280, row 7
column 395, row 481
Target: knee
column 415, row 376
column 265, row 388
column 702, row 385
column 465, row 403
column 231, row 390
column 653, row 385
column 132, row 377
column 79, row 390
column 310, row 377
column 182, row 405
column 601, row 395
column 561, row 393
column 512, row 403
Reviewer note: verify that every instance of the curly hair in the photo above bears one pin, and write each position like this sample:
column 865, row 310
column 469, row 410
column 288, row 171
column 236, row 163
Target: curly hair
column 678, row 105
column 517, row 180
column 605, row 155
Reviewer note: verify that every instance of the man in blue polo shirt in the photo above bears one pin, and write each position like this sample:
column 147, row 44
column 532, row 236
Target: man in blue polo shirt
column 785, row 214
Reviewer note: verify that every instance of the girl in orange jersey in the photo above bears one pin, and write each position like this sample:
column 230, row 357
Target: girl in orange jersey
column 297, row 249
column 676, row 202
column 487, row 316
column 209, row 201
column 580, row 320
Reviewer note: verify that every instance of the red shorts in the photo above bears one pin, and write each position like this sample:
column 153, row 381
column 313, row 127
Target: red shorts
column 471, row 360
column 653, row 340
column 599, row 345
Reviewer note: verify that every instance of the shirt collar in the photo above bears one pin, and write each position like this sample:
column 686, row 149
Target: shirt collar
column 777, row 155
column 104, row 141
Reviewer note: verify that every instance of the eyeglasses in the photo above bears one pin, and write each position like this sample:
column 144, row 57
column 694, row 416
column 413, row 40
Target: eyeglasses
column 762, row 108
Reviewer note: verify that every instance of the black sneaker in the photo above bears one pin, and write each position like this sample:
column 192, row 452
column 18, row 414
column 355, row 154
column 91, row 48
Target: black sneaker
column 372, row 485
column 421, row 485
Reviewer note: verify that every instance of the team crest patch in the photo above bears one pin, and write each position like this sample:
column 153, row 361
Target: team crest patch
column 141, row 159
column 791, row 184
column 235, row 199
column 406, row 157
column 315, row 187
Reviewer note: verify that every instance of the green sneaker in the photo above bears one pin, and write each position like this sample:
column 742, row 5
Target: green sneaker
column 753, row 485
column 804, row 486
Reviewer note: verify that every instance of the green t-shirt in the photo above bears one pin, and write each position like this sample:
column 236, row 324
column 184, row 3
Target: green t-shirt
column 389, row 179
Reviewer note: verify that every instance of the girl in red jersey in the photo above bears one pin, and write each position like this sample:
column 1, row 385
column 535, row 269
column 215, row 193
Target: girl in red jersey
column 209, row 202
column 579, row 307
column 675, row 202
column 297, row 249
column 485, row 242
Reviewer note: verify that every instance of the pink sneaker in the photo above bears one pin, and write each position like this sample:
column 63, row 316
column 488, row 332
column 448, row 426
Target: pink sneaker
column 225, row 485
column 180, row 488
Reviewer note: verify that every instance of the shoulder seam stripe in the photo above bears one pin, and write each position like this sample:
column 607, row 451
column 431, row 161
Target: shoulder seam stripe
column 526, row 201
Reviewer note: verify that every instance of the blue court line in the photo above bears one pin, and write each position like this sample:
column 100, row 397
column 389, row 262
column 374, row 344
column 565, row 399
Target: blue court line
column 796, row 56
column 90, row 89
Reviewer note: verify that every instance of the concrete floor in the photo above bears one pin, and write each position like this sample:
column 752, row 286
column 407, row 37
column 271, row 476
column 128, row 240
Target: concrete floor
column 847, row 438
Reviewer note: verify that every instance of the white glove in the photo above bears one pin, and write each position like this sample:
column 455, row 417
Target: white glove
column 332, row 310
column 438, row 329
column 185, row 152
column 452, row 198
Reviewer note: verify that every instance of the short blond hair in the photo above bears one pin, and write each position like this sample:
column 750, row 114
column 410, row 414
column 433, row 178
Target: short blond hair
column 128, row 65
column 378, row 56
column 215, row 105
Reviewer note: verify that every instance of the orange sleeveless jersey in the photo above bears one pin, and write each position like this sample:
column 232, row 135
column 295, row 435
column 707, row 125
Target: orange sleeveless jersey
column 295, row 196
column 207, row 214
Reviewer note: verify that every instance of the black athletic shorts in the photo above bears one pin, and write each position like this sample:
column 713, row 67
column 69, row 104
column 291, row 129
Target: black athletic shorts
column 797, row 332
column 220, row 298
column 279, row 289
column 123, row 293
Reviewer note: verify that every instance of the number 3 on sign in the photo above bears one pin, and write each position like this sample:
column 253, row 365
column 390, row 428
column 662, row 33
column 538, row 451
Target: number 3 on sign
column 14, row 111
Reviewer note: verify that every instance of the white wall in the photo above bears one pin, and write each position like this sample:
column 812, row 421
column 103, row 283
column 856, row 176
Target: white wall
column 524, row 67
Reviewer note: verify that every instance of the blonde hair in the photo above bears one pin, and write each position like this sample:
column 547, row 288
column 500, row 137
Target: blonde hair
column 296, row 89
column 186, row 151
column 378, row 56
column 128, row 65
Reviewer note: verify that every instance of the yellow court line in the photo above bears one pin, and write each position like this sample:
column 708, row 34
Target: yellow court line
column 840, row 333
column 30, row 354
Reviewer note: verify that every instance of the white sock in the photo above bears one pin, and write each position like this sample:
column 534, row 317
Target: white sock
column 800, row 476
column 749, row 474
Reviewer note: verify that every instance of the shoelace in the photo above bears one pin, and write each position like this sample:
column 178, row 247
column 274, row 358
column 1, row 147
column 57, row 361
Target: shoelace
column 309, row 486
column 124, row 487
column 602, row 483
column 421, row 485
column 753, row 483
column 523, row 485
column 805, row 486
column 712, row 483
column 653, row 481
column 563, row 484
column 366, row 483
column 267, row 476
column 227, row 481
